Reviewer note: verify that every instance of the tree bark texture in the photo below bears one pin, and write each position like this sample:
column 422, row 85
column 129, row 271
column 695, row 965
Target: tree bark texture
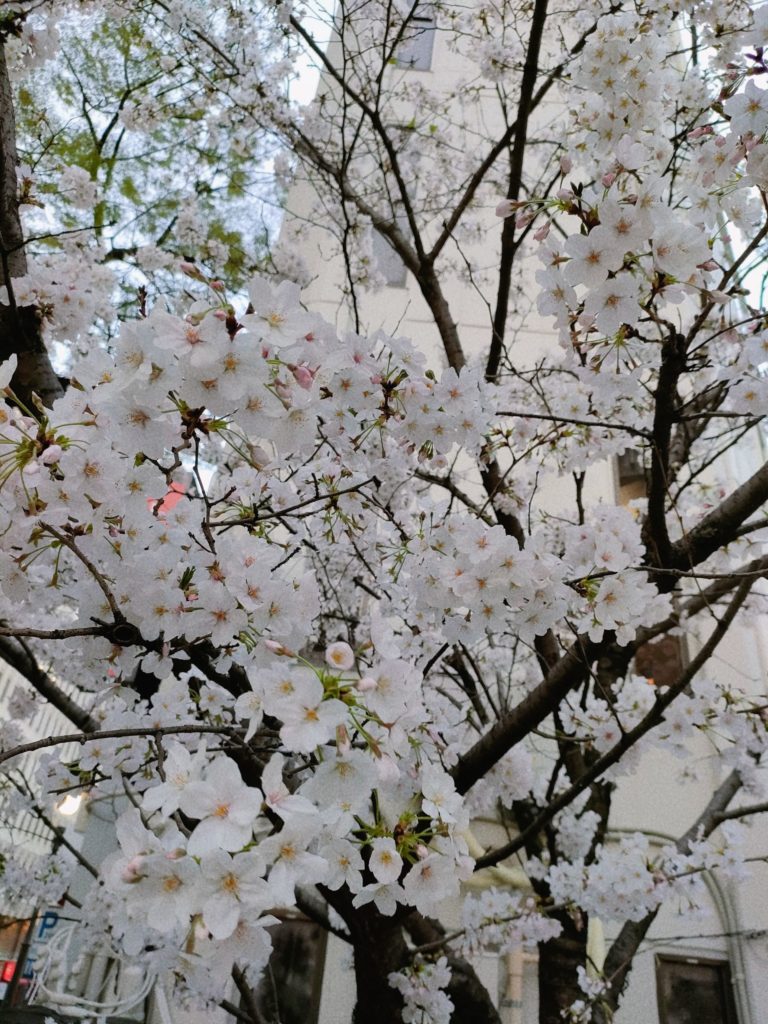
column 558, row 960
column 20, row 326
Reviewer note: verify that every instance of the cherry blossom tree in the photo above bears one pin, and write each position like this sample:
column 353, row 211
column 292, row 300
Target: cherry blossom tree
column 320, row 618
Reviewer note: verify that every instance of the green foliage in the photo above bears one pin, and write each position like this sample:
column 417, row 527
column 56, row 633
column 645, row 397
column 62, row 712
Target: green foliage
column 145, row 110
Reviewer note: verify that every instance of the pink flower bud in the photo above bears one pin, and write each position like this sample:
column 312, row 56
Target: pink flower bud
column 566, row 164
column 131, row 872
column 564, row 193
column 218, row 286
column 608, row 179
column 277, row 648
column 366, row 684
column 304, row 377
column 343, row 744
column 421, row 851
column 541, row 233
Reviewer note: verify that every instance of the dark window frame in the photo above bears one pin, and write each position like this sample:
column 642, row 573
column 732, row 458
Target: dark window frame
column 727, row 1008
column 419, row 41
column 388, row 261
column 313, row 980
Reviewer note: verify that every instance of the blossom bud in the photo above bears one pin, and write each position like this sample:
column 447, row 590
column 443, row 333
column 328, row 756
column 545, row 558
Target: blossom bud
column 366, row 684
column 343, row 744
column 277, row 648
column 131, row 872
column 608, row 179
column 708, row 265
column 304, row 376
column 566, row 164
column 421, row 851
column 541, row 233
column 220, row 314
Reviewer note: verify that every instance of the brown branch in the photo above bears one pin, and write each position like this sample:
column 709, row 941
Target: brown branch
column 654, row 533
column 20, row 328
column 741, row 812
column 629, row 739
column 503, row 142
column 111, row 734
column 23, row 661
column 508, row 246
column 376, row 123
column 720, row 526
column 566, row 674
column 247, row 995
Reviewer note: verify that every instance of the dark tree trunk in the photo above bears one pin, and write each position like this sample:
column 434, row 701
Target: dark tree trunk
column 380, row 948
column 471, row 999
column 20, row 326
column 558, row 960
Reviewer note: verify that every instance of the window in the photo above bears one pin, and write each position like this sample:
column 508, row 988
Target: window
column 388, row 262
column 662, row 660
column 694, row 991
column 631, row 477
column 415, row 48
column 289, row 991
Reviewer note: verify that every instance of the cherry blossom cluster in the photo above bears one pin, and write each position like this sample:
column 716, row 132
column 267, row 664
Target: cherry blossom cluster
column 422, row 986
column 503, row 920
column 297, row 533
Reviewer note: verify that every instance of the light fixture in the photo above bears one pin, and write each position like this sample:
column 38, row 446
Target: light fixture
column 70, row 804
